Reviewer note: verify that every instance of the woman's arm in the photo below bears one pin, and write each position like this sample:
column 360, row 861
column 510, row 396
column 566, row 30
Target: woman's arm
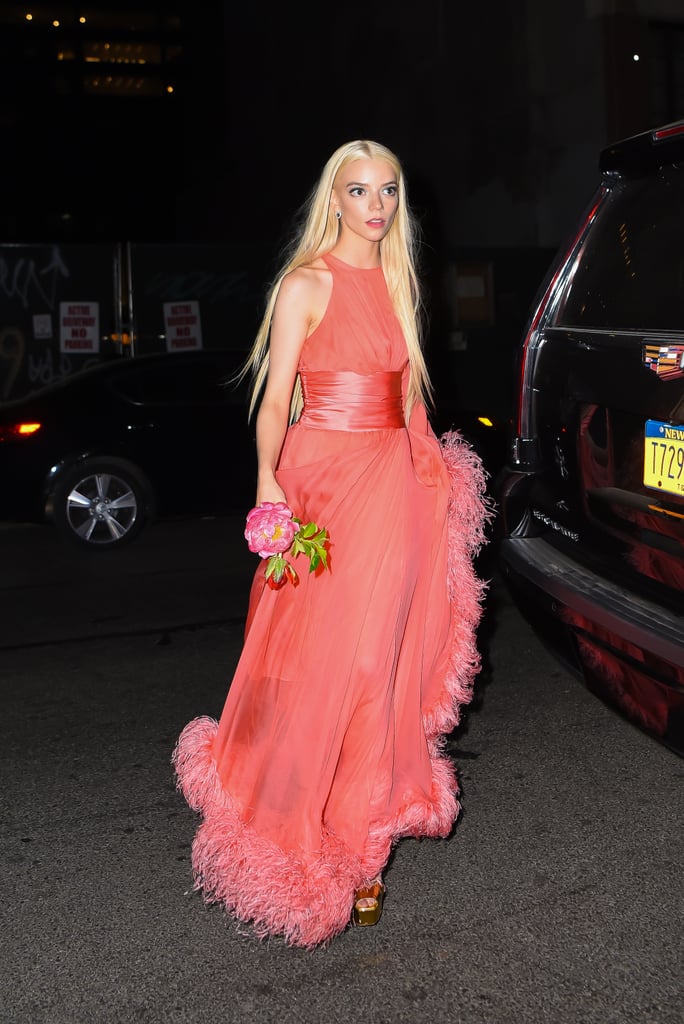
column 291, row 322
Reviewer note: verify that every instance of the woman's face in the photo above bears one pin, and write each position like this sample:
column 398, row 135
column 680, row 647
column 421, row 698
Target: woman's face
column 366, row 193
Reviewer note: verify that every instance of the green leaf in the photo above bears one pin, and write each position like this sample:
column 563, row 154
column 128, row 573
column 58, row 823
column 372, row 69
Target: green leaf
column 309, row 530
column 275, row 567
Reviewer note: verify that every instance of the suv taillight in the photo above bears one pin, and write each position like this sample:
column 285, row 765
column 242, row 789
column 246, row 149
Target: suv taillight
column 668, row 132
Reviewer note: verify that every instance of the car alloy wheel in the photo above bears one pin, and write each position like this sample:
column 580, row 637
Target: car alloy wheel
column 100, row 504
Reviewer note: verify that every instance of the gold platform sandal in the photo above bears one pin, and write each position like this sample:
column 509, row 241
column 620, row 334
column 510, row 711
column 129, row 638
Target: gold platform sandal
column 368, row 904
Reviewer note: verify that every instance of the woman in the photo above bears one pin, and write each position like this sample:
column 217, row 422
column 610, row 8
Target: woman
column 329, row 746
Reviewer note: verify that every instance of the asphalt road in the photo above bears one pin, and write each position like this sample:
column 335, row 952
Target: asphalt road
column 558, row 898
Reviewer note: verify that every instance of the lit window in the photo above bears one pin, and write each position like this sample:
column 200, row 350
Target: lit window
column 120, row 85
column 122, row 53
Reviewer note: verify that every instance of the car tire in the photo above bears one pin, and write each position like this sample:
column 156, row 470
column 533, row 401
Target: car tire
column 101, row 503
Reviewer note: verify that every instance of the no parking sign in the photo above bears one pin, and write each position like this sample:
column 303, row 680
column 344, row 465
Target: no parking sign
column 182, row 326
column 79, row 327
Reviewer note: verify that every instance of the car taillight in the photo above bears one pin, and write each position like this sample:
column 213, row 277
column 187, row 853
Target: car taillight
column 523, row 422
column 12, row 431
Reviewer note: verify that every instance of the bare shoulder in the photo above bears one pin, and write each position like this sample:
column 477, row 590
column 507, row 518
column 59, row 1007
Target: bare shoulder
column 308, row 278
column 307, row 288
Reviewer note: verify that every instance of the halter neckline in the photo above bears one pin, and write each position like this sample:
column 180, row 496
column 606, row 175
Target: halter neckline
column 350, row 266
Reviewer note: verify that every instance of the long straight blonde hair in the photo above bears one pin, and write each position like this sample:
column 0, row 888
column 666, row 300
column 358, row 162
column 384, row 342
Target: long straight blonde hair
column 398, row 255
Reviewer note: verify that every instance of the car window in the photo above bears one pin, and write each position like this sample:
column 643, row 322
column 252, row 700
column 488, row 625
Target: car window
column 631, row 270
column 175, row 382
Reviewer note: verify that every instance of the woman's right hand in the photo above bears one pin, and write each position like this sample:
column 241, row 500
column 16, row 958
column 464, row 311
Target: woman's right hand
column 270, row 490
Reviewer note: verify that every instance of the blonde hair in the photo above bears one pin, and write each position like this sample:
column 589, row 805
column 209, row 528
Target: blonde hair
column 398, row 254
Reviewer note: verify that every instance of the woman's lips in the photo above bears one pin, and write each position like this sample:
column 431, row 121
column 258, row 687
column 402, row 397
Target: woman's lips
column 377, row 222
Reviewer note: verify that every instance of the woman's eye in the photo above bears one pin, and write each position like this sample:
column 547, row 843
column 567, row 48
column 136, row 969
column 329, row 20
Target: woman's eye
column 357, row 191
column 391, row 190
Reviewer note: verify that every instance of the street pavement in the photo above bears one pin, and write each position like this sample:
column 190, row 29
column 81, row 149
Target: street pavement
column 557, row 899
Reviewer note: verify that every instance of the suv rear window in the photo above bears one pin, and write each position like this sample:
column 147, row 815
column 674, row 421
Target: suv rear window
column 631, row 271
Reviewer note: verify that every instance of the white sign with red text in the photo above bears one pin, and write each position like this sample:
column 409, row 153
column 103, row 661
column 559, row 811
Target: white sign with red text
column 79, row 327
column 182, row 326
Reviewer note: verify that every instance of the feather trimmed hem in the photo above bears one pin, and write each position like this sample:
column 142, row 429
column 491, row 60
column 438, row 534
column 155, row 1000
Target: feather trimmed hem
column 309, row 901
column 257, row 881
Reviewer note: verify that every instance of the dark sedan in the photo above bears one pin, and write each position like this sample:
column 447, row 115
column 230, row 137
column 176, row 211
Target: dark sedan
column 132, row 439
column 124, row 441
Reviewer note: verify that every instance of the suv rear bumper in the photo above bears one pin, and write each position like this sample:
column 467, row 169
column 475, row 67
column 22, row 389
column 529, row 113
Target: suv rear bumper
column 533, row 564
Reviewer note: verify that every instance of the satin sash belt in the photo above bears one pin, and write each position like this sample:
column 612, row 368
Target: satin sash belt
column 352, row 401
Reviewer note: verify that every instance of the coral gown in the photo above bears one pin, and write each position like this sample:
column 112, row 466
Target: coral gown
column 329, row 748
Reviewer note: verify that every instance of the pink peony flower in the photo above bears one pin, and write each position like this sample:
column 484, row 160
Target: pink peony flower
column 270, row 528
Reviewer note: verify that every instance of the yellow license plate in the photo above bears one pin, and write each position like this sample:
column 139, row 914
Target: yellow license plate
column 664, row 457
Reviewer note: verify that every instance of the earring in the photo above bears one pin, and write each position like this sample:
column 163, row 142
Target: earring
column 338, row 214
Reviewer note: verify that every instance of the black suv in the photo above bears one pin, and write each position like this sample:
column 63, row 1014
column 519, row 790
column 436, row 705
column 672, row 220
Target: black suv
column 592, row 499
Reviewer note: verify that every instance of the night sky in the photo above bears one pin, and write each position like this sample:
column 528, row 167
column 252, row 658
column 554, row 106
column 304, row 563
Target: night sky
column 263, row 94
column 310, row 77
column 470, row 96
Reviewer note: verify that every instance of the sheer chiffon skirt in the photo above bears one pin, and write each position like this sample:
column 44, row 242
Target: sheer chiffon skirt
column 329, row 748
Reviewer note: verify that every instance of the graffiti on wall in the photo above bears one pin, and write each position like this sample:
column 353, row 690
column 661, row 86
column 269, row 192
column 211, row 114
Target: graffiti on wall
column 39, row 365
column 210, row 286
column 23, row 279
column 32, row 280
